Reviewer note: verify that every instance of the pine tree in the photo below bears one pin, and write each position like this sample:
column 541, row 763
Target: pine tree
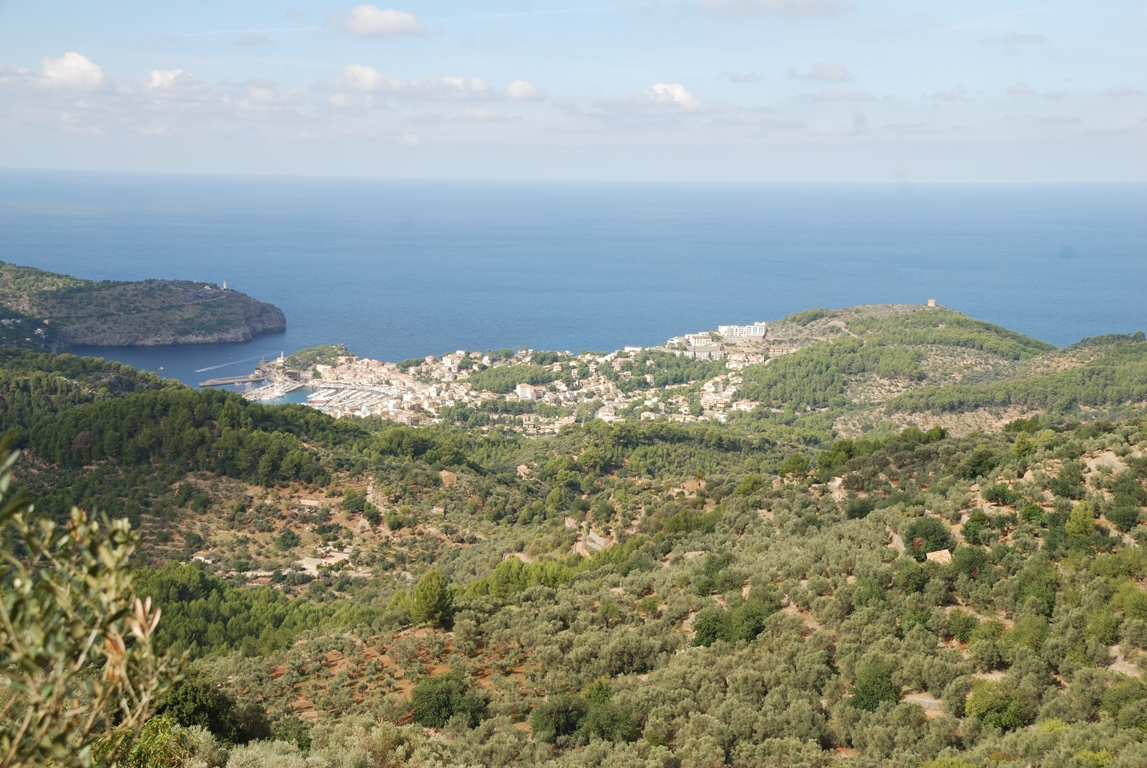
column 432, row 599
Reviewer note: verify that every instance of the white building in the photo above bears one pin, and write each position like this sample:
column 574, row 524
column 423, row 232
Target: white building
column 760, row 330
column 529, row 392
column 712, row 352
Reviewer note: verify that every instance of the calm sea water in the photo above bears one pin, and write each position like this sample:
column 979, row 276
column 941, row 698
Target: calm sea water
column 399, row 269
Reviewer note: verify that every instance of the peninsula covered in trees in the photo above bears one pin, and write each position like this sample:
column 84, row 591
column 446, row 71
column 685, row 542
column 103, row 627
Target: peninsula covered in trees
column 919, row 544
column 44, row 310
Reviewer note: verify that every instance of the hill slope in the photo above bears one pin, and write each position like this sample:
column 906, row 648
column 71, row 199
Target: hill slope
column 886, row 367
column 645, row 594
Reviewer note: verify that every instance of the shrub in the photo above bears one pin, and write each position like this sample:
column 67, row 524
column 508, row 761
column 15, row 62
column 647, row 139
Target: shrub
column 435, row 700
column 1033, row 513
column 1000, row 494
column 859, row 508
column 287, row 540
column 604, row 719
column 980, row 462
column 711, row 625
column 1125, row 517
column 976, row 523
column 610, row 722
column 908, row 576
column 353, row 503
column 1069, row 483
column 969, row 561
column 962, row 625
column 749, row 485
column 873, row 686
column 997, row 705
column 744, row 621
column 796, row 464
column 927, row 534
column 559, row 715
column 198, row 700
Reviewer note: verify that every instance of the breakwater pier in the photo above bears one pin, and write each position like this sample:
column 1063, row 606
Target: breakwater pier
column 223, row 381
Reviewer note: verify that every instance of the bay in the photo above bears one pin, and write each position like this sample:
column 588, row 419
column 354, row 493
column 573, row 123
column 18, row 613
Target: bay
column 406, row 268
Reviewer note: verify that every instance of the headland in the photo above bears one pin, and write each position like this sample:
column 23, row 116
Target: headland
column 45, row 310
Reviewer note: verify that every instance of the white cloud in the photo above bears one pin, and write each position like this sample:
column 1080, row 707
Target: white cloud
column 157, row 103
column 735, row 77
column 17, row 76
column 338, row 100
column 520, row 90
column 672, row 95
column 660, row 99
column 1122, row 90
column 164, row 78
column 1061, row 119
column 178, row 86
column 956, row 94
column 1055, row 94
column 262, row 94
column 834, row 95
column 775, row 7
column 358, row 77
column 409, row 139
column 73, row 70
column 823, row 70
column 371, row 21
column 1020, row 89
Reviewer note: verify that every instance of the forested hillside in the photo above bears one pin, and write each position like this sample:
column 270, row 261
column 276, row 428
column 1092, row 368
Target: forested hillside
column 770, row 591
column 887, row 367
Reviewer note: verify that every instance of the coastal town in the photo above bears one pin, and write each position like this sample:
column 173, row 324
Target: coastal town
column 694, row 377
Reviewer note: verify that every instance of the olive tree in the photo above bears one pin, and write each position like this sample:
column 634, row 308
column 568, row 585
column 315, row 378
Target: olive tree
column 77, row 657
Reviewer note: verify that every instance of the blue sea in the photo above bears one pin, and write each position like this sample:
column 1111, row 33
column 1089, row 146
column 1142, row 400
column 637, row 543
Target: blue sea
column 405, row 268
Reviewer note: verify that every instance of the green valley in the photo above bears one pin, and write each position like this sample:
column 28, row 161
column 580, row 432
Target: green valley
column 910, row 538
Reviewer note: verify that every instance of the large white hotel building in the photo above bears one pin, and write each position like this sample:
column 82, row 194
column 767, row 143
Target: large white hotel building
column 756, row 329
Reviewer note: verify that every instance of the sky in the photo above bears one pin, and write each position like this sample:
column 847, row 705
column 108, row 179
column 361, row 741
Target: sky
column 706, row 90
